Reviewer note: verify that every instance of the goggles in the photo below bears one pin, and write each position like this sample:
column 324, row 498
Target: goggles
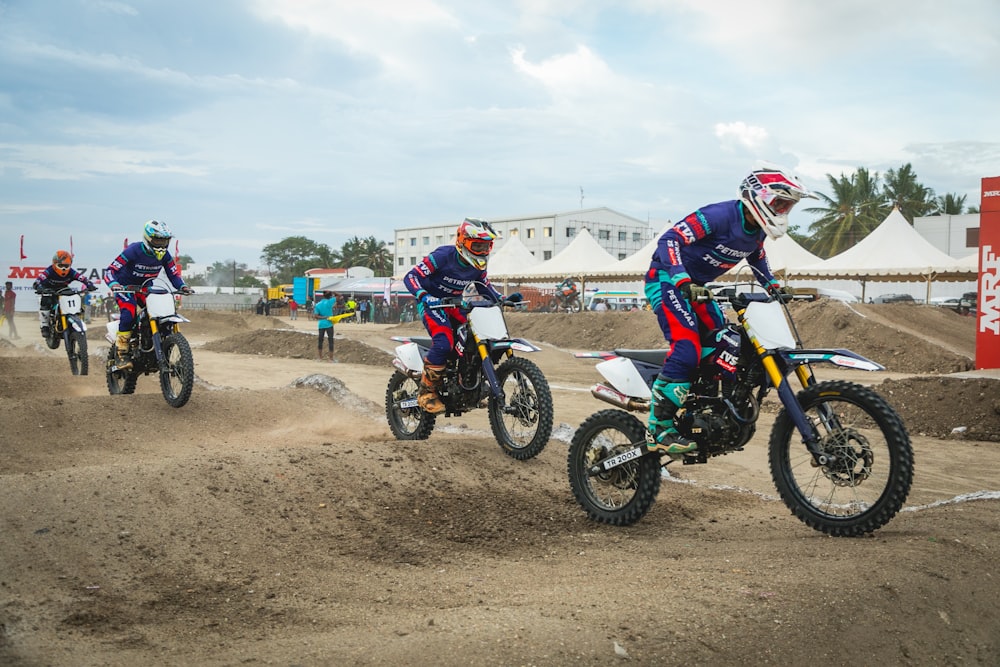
column 159, row 241
column 63, row 266
column 781, row 206
column 479, row 247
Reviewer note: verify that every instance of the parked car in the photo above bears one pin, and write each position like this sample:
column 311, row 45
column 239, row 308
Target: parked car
column 894, row 298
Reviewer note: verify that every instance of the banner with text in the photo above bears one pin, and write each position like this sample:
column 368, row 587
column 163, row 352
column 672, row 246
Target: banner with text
column 988, row 308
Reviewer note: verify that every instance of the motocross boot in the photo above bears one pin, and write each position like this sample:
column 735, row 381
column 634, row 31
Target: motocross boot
column 428, row 398
column 122, row 359
column 668, row 396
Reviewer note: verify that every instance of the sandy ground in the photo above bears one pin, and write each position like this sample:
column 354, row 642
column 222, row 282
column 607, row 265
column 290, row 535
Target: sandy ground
column 274, row 519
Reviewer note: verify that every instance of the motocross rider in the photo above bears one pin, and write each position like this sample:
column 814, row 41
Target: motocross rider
column 60, row 274
column 445, row 273
column 137, row 263
column 697, row 250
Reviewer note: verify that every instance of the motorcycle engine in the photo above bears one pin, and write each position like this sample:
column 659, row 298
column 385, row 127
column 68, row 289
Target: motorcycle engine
column 710, row 423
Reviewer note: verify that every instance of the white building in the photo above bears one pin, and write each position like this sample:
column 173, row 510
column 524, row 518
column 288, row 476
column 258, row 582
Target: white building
column 956, row 235
column 543, row 235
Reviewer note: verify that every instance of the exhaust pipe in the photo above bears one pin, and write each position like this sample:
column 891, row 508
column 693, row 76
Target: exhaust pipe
column 610, row 395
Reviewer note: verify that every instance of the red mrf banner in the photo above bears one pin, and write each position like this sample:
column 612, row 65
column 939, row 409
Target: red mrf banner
column 988, row 324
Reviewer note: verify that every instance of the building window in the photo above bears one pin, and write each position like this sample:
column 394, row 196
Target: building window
column 635, row 237
column 513, row 231
column 413, row 242
column 570, row 232
column 427, row 240
column 972, row 237
column 547, row 232
column 622, row 236
column 402, row 261
column 604, row 234
column 622, row 255
column 531, row 232
column 547, row 255
column 438, row 239
column 413, row 261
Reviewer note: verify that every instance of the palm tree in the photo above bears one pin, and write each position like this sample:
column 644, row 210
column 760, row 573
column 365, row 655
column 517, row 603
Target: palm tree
column 856, row 207
column 907, row 194
column 949, row 204
column 376, row 256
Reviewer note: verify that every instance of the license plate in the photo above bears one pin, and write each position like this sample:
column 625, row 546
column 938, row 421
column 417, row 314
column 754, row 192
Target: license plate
column 408, row 403
column 623, row 457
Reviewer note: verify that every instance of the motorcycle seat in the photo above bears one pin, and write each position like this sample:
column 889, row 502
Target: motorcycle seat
column 648, row 356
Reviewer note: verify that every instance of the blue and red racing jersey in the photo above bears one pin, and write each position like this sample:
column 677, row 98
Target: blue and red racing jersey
column 134, row 266
column 443, row 274
column 49, row 279
column 709, row 242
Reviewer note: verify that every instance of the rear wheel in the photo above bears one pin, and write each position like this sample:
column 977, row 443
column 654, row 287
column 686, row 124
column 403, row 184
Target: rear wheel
column 76, row 350
column 119, row 382
column 177, row 380
column 620, row 496
column 521, row 424
column 407, row 420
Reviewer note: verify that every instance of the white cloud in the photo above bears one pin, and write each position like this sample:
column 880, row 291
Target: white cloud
column 739, row 133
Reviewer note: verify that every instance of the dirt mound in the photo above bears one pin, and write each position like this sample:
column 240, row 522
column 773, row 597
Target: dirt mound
column 297, row 345
column 946, row 407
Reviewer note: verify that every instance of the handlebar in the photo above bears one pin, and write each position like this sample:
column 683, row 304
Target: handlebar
column 62, row 291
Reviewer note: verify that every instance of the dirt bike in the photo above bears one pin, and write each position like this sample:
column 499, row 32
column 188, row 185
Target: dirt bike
column 66, row 326
column 155, row 346
column 838, row 453
column 566, row 299
column 481, row 371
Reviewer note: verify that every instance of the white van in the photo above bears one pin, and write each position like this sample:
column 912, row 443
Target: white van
column 623, row 300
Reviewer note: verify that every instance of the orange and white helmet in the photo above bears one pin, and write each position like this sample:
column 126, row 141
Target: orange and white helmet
column 474, row 241
column 770, row 194
column 62, row 262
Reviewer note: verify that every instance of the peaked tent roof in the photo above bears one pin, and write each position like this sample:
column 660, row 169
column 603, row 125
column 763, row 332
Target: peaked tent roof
column 510, row 257
column 784, row 256
column 580, row 258
column 635, row 265
column 893, row 251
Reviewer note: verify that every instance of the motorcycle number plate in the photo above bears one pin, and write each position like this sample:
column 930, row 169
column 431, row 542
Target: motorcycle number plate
column 622, row 458
column 408, row 403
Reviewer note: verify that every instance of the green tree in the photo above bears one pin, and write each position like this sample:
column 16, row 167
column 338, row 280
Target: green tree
column 855, row 207
column 369, row 252
column 905, row 192
column 949, row 204
column 230, row 273
column 293, row 256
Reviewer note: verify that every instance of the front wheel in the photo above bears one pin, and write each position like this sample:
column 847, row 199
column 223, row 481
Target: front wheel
column 407, row 420
column 620, row 496
column 870, row 470
column 522, row 423
column 76, row 350
column 574, row 305
column 177, row 379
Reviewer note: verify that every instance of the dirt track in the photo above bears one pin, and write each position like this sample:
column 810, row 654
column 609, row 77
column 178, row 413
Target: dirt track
column 266, row 523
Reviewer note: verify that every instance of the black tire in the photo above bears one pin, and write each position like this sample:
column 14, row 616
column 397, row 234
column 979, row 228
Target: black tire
column 76, row 350
column 54, row 337
column 522, row 425
column 624, row 495
column 869, row 485
column 177, row 381
column 409, row 422
column 574, row 305
column 119, row 382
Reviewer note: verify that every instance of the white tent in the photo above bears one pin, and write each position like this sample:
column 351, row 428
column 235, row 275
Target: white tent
column 513, row 256
column 784, row 256
column 893, row 252
column 582, row 258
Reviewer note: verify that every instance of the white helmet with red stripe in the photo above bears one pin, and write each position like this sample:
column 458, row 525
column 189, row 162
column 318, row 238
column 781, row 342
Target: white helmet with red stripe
column 770, row 193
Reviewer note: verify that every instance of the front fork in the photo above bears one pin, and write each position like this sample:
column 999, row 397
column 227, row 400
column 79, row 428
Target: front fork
column 810, row 435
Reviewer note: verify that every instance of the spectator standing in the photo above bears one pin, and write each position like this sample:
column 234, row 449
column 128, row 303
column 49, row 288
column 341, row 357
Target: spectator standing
column 9, row 297
column 293, row 310
column 324, row 312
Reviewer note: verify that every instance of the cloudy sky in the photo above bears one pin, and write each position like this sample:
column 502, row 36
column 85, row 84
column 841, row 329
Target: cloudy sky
column 242, row 122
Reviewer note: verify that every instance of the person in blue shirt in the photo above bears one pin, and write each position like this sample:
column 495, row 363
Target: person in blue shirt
column 324, row 311
column 56, row 276
column 137, row 263
column 446, row 272
column 695, row 251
